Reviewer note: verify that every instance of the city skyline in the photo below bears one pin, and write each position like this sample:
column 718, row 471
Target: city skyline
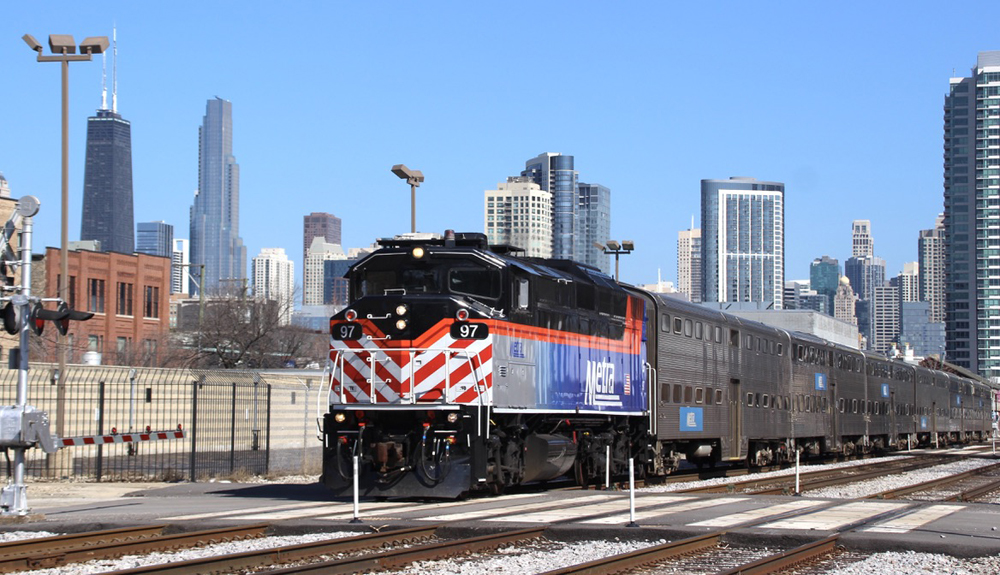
column 812, row 126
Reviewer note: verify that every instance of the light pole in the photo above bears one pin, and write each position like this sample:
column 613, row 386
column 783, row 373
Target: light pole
column 63, row 48
column 613, row 247
column 414, row 178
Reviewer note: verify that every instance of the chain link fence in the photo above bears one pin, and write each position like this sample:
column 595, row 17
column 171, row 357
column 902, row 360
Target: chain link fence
column 236, row 423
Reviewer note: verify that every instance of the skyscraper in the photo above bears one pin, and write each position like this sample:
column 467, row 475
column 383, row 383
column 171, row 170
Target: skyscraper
column 824, row 278
column 843, row 302
column 274, row 280
column 689, row 263
column 154, row 238
column 319, row 251
column 866, row 273
column 862, row 244
column 318, row 225
column 107, row 177
column 593, row 225
column 884, row 307
column 930, row 250
column 971, row 218
column 554, row 173
column 908, row 282
column 179, row 260
column 215, row 214
column 519, row 213
column 743, row 247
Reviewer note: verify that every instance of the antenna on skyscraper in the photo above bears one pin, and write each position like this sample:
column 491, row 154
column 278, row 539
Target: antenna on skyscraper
column 104, row 80
column 114, row 71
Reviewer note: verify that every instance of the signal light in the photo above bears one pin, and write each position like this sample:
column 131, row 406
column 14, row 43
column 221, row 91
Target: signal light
column 12, row 318
column 462, row 314
column 350, row 315
column 61, row 316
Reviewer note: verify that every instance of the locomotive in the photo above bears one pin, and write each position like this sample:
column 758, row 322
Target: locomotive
column 459, row 366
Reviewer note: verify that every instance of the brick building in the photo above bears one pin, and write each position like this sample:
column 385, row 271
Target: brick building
column 130, row 297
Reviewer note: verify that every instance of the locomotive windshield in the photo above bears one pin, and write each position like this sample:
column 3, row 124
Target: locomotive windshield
column 401, row 274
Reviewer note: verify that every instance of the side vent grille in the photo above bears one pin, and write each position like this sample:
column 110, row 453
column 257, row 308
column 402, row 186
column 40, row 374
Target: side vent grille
column 502, row 370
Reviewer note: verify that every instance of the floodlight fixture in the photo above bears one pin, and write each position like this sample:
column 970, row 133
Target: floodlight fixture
column 62, row 44
column 94, row 45
column 599, row 246
column 613, row 245
column 628, row 245
column 617, row 249
column 32, row 43
column 414, row 178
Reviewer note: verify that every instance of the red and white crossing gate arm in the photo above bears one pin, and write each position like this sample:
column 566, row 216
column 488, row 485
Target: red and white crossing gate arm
column 120, row 438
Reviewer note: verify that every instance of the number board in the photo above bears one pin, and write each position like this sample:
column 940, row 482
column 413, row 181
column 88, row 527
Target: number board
column 342, row 331
column 468, row 330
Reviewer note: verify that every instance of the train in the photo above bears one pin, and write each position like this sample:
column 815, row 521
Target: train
column 459, row 367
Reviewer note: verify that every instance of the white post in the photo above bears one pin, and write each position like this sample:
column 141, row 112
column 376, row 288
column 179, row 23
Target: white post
column 631, row 493
column 797, row 485
column 356, row 519
column 607, row 468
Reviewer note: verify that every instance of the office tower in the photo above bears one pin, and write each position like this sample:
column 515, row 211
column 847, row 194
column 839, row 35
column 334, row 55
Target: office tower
column 107, row 177
column 179, row 269
column 918, row 331
column 4, row 187
column 862, row 244
column 743, row 249
column 554, row 173
column 274, row 280
column 319, row 251
column 593, row 225
column 215, row 214
column 519, row 213
column 335, row 286
column 689, row 263
column 843, row 302
column 824, row 279
column 154, row 238
column 319, row 225
column 792, row 292
column 884, row 310
column 866, row 273
column 908, row 282
column 930, row 254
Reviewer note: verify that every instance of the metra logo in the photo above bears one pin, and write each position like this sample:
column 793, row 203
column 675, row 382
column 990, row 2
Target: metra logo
column 517, row 349
column 600, row 386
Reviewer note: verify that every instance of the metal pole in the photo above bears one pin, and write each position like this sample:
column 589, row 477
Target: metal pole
column 357, row 518
column 798, row 490
column 616, row 266
column 20, row 503
column 63, row 254
column 631, row 493
column 607, row 467
column 413, row 208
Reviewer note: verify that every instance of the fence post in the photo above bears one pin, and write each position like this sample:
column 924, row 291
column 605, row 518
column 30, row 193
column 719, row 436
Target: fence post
column 100, row 428
column 232, row 432
column 267, row 434
column 194, row 423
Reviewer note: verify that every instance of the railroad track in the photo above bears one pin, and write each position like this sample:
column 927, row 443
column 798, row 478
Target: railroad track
column 62, row 550
column 971, row 485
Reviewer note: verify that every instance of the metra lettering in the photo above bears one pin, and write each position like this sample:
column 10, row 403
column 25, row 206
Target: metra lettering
column 600, row 379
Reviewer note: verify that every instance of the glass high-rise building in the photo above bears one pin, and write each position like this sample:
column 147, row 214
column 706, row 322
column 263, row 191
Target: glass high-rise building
column 274, row 280
column 555, row 173
column 972, row 217
column 107, row 183
column 215, row 214
column 824, row 279
column 743, row 241
column 180, row 258
column 593, row 225
column 318, row 225
column 154, row 238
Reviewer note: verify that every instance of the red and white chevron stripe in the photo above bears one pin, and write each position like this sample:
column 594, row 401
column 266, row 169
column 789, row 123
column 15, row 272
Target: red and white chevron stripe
column 439, row 370
column 122, row 438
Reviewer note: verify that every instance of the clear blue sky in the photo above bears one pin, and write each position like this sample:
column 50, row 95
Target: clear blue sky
column 840, row 101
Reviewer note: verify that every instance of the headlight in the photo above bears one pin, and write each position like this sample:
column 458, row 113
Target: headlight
column 418, row 252
column 401, row 324
column 339, row 417
column 401, row 309
column 453, row 417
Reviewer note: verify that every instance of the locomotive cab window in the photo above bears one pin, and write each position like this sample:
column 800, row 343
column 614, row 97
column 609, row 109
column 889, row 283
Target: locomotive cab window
column 475, row 281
